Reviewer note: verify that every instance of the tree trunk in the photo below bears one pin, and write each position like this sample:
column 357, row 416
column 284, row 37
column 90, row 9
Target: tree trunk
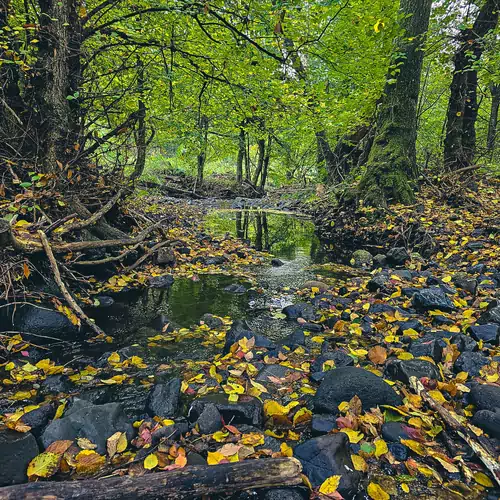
column 326, row 158
column 493, row 122
column 265, row 167
column 202, row 156
column 348, row 151
column 56, row 82
column 460, row 139
column 260, row 161
column 392, row 160
column 140, row 141
column 241, row 157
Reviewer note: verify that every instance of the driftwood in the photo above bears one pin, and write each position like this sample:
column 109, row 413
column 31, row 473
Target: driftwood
column 189, row 482
column 60, row 283
column 469, row 437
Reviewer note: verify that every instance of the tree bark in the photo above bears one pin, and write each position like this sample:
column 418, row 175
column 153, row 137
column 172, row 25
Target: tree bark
column 140, row 141
column 493, row 122
column 202, row 156
column 392, row 161
column 189, row 482
column 241, row 156
column 261, row 143
column 460, row 139
column 265, row 167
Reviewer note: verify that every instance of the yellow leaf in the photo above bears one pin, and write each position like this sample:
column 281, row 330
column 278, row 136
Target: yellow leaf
column 330, row 485
column 220, row 436
column 286, row 451
column 437, row 396
column 359, row 463
column 446, row 279
column 114, row 358
column 9, row 366
column 377, row 492
column 150, row 462
column 405, row 487
column 44, row 465
column 303, row 415
column 354, row 436
column 378, row 26
column 214, row 457
column 415, row 446
column 483, row 480
column 88, row 462
column 405, row 356
column 380, row 447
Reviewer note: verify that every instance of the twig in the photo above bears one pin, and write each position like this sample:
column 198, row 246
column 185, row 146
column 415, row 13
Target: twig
column 60, row 222
column 148, row 254
column 95, row 217
column 107, row 260
column 490, row 462
column 57, row 276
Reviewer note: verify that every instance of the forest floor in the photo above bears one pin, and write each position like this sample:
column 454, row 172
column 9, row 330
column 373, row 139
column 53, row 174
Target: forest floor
column 384, row 382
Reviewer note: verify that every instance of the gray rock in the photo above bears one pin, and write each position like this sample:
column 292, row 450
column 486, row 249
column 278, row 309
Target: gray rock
column 432, row 299
column 300, row 310
column 485, row 396
column 490, row 316
column 362, row 259
column 166, row 257
column 326, row 456
column 165, row 281
column 489, row 421
column 277, row 371
column 340, row 358
column 470, row 362
column 213, row 322
column 17, row 451
column 163, row 400
column 323, row 424
column 209, row 420
column 323, row 287
column 32, row 319
column 239, row 330
column 403, row 370
column 393, row 432
column 247, row 410
column 380, row 260
column 342, row 384
column 39, row 418
column 487, row 333
column 277, row 263
column 427, row 346
column 235, row 288
column 94, row 422
column 56, row 384
column 469, row 285
column 378, row 282
column 397, row 256
column 286, row 494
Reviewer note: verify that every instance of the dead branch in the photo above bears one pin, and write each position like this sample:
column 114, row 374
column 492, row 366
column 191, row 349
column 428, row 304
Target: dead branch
column 148, row 254
column 57, row 276
column 189, row 482
column 469, row 437
column 60, row 222
column 107, row 260
column 95, row 217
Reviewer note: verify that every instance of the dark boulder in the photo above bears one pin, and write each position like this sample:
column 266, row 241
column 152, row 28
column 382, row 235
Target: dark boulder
column 171, row 432
column 378, row 282
column 485, row 396
column 56, row 384
column 487, row 333
column 277, row 263
column 379, row 260
column 323, row 424
column 39, row 418
column 397, row 256
column 240, row 330
column 103, row 301
column 362, row 259
column 326, row 456
column 166, row 257
column 246, row 410
column 165, row 281
column 427, row 346
column 469, row 285
column 491, row 315
column 342, row 384
column 17, row 450
column 393, row 432
column 339, row 357
column 41, row 321
column 210, row 420
column 300, row 310
column 489, row 421
column 213, row 322
column 94, row 422
column 470, row 362
column 286, row 494
column 235, row 288
column 133, row 399
column 163, row 400
column 432, row 299
column 295, row 339
column 276, row 371
column 403, row 370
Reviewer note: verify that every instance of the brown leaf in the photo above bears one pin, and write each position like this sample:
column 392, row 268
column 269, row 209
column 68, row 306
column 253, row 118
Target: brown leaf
column 377, row 355
column 59, row 447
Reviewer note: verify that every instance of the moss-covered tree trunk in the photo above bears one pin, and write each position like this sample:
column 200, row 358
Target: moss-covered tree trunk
column 493, row 121
column 392, row 161
column 460, row 140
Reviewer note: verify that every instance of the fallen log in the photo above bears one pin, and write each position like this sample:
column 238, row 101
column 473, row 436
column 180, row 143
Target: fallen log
column 189, row 482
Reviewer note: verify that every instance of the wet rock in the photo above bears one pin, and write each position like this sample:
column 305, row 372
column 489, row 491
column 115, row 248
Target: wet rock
column 163, row 400
column 403, row 370
column 485, row 396
column 487, row 333
column 440, row 320
column 323, row 424
column 491, row 315
column 463, row 342
column 489, row 421
column 393, row 432
column 398, row 451
column 323, row 287
column 161, row 281
column 17, row 451
column 300, row 310
column 56, row 384
column 277, row 263
column 97, row 395
column 477, row 269
column 195, row 459
column 235, row 288
column 286, row 494
column 163, row 323
column 427, row 346
column 378, row 282
column 397, row 256
column 39, row 418
column 239, row 330
column 40, row 321
column 166, row 257
column 404, row 274
column 276, row 371
column 342, row 384
column 326, row 456
column 432, row 298
column 470, row 362
column 213, row 322
column 362, row 259
column 103, row 301
column 215, row 261
column 247, row 410
column 94, row 422
column 380, row 260
column 469, row 285
column 340, row 358
column 210, row 420
column 133, row 399
column 413, row 324
column 295, row 339
column 170, row 432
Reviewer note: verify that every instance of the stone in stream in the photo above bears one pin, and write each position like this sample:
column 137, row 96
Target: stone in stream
column 393, row 432
column 489, row 421
column 163, row 400
column 16, row 452
column 322, row 287
column 94, row 422
column 487, row 333
column 235, row 288
column 300, row 310
column 432, row 299
column 427, row 346
column 210, row 420
column 485, row 396
column 340, row 358
column 402, row 370
column 247, row 410
column 165, row 281
column 326, row 456
column 297, row 493
column 362, row 259
column 397, row 256
column 323, row 424
column 378, row 282
column 277, row 263
column 342, row 384
column 240, row 330
column 275, row 371
column 470, row 362
column 166, row 257
column 40, row 321
column 213, row 322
